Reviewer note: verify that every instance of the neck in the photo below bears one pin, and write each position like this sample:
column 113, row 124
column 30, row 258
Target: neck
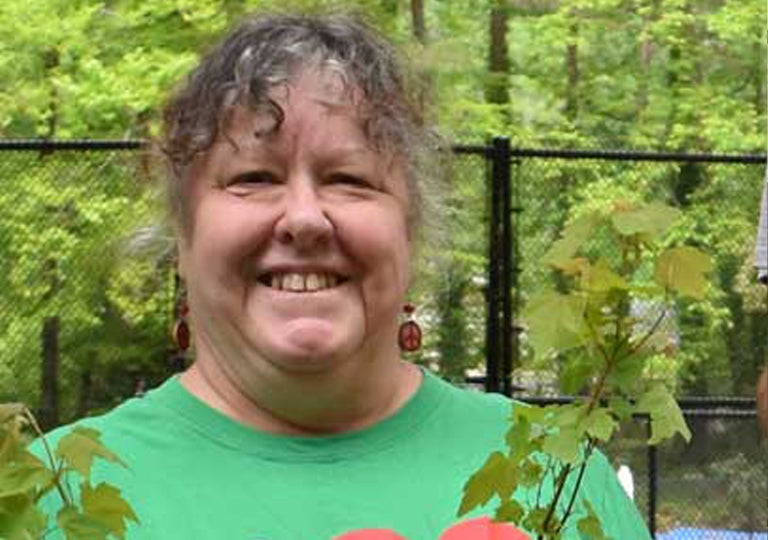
column 306, row 404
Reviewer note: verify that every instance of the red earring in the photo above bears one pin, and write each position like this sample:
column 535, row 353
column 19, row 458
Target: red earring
column 409, row 334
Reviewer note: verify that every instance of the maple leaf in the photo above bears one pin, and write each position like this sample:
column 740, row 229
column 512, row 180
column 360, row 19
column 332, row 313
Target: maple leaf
column 650, row 220
column 589, row 526
column 105, row 504
column 556, row 321
column 496, row 477
column 600, row 424
column 22, row 475
column 572, row 238
column 600, row 277
column 683, row 269
column 666, row 417
column 78, row 526
column 79, row 448
column 20, row 519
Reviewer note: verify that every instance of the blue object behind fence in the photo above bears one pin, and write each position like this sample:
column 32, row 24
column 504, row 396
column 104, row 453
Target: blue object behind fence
column 688, row 533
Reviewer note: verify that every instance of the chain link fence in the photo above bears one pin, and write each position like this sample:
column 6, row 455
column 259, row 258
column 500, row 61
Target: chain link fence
column 84, row 317
column 716, row 487
column 722, row 340
column 87, row 293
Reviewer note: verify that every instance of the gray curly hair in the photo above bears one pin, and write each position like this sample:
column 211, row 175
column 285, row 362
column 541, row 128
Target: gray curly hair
column 267, row 51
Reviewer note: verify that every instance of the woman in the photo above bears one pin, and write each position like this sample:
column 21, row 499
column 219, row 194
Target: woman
column 296, row 160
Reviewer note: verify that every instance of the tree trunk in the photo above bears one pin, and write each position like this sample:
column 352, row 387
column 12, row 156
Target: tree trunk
column 645, row 54
column 86, row 391
column 417, row 17
column 572, row 70
column 759, row 82
column 497, row 87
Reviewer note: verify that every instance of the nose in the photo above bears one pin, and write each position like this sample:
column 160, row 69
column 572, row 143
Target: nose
column 304, row 223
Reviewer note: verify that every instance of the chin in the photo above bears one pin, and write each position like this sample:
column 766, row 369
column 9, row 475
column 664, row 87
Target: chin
column 310, row 353
column 306, row 363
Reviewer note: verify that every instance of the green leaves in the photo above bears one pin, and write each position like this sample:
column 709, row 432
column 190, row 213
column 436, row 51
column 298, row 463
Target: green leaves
column 648, row 221
column 105, row 505
column 665, row 414
column 589, row 526
column 497, row 477
column 24, row 474
column 556, row 321
column 591, row 324
column 26, row 481
column 102, row 514
column 683, row 270
column 78, row 449
column 573, row 237
column 20, row 519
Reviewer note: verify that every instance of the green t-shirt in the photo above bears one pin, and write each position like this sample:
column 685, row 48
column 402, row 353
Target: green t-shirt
column 196, row 474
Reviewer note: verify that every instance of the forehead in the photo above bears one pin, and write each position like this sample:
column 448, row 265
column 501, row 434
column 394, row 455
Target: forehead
column 316, row 111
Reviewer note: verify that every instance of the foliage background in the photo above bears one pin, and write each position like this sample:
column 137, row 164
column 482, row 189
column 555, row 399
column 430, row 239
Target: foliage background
column 660, row 75
column 669, row 75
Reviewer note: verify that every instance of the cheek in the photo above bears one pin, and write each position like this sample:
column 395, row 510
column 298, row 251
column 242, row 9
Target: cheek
column 385, row 257
column 225, row 237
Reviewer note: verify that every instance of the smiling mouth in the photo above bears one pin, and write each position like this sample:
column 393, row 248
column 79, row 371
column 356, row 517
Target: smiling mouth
column 301, row 283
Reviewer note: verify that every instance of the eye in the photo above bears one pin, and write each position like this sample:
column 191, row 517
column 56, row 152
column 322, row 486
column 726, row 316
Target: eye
column 349, row 180
column 253, row 177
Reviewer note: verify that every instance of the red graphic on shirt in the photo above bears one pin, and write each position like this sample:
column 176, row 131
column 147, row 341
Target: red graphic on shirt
column 474, row 529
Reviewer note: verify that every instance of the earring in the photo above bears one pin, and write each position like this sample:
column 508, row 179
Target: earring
column 409, row 334
column 180, row 332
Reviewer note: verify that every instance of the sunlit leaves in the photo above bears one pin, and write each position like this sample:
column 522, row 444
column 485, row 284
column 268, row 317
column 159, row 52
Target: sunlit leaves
column 29, row 484
column 20, row 518
column 683, row 270
column 80, row 447
column 556, row 321
column 600, row 424
column 589, row 526
column 22, row 475
column 105, row 505
column 666, row 417
column 573, row 237
column 497, row 477
column 600, row 277
column 649, row 220
column 604, row 321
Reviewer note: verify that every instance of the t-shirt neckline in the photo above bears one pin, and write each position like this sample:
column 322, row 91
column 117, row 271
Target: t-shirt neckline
column 193, row 413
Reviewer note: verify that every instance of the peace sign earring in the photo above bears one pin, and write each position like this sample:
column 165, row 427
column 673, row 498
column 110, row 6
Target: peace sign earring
column 409, row 333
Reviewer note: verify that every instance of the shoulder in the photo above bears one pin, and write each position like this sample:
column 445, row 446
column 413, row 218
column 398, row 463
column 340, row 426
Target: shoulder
column 469, row 401
column 469, row 412
column 122, row 427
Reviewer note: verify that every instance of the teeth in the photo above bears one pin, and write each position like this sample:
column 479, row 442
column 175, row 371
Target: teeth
column 312, row 282
column 303, row 282
column 295, row 282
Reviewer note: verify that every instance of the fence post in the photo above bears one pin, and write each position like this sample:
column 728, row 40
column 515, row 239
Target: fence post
column 653, row 476
column 498, row 341
column 49, row 403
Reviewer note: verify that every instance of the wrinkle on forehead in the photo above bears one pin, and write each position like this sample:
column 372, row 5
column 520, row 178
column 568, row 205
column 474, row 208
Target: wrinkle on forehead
column 248, row 126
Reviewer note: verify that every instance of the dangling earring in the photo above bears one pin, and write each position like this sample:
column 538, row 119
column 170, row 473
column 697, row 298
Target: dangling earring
column 180, row 333
column 409, row 334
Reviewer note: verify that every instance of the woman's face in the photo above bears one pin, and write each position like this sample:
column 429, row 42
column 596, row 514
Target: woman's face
column 297, row 252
